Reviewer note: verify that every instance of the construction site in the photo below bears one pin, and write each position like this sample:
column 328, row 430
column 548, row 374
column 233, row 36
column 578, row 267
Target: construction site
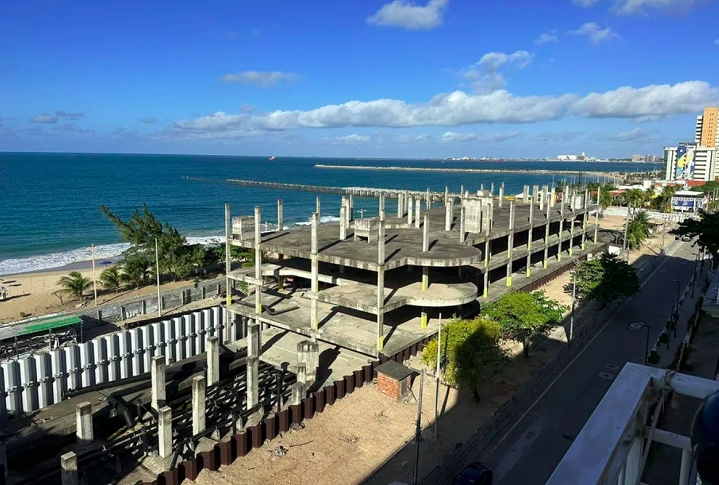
column 319, row 311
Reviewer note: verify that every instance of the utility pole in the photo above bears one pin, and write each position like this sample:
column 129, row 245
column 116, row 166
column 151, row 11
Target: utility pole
column 626, row 230
column 418, row 431
column 157, row 272
column 94, row 280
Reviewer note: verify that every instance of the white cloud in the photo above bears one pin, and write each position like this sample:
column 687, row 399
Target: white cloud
column 595, row 34
column 69, row 116
column 498, row 137
column 485, row 74
column 403, row 13
column 586, row 3
column 547, row 37
column 453, row 136
column 631, row 135
column 460, row 109
column 261, row 79
column 44, row 118
column 654, row 101
column 148, row 121
column 638, row 7
column 352, row 139
column 561, row 136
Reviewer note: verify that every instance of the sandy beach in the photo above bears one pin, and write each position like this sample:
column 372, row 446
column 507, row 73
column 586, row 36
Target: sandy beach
column 32, row 293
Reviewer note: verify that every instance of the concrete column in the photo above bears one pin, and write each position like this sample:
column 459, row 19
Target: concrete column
column 418, row 212
column 546, row 237
column 572, row 206
column 529, row 238
column 400, row 211
column 381, row 202
column 380, row 307
column 462, row 213
column 199, row 388
column 491, row 188
column 68, row 469
column 535, row 194
column 446, row 194
column 213, row 360
column 553, row 197
column 525, row 194
column 510, row 243
column 299, row 390
column 314, row 283
column 543, row 199
column 164, row 431
column 258, row 261
column 423, row 317
column 351, row 212
column 308, row 354
column 487, row 251
column 448, row 216
column 157, row 373
column 425, row 234
column 254, row 350
column 486, row 284
column 83, row 418
column 228, row 255
column 461, row 194
column 596, row 217
column 429, row 199
column 280, row 215
column 501, row 195
column 343, row 223
column 410, row 206
column 319, row 207
column 584, row 218
column 561, row 229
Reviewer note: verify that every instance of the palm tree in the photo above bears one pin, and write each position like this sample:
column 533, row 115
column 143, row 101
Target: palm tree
column 74, row 284
column 638, row 230
column 605, row 199
column 112, row 278
column 634, row 197
column 137, row 270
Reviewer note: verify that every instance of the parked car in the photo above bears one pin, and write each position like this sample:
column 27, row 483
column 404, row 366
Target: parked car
column 474, row 474
column 686, row 238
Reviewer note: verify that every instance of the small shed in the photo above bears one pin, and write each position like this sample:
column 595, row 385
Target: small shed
column 394, row 380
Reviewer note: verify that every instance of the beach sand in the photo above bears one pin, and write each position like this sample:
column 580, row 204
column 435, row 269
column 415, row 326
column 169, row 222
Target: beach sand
column 32, row 293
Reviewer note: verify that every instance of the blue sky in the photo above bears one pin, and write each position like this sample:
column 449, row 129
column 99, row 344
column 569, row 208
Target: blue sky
column 370, row 78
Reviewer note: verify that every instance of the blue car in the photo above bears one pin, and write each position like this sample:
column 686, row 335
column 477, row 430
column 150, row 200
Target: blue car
column 474, row 474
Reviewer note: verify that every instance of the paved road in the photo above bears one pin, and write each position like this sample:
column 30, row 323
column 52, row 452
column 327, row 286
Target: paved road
column 529, row 452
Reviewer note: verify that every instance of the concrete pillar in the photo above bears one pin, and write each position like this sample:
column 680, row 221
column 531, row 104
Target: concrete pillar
column 543, row 198
column 448, row 216
column 253, row 381
column 400, row 211
column 343, row 223
column 164, row 431
column 351, row 211
column 280, row 215
column 199, row 387
column 491, row 188
column 525, row 194
column 510, row 243
column 529, row 238
column 381, row 202
column 308, row 353
column 487, row 251
column 157, row 373
column 584, row 218
column 68, row 469
column 461, row 194
column 381, row 243
column 596, row 217
column 546, row 237
column 258, row 261
column 561, row 229
column 314, row 283
column 423, row 317
column 429, row 199
column 501, row 195
column 410, row 207
column 446, row 194
column 462, row 213
column 418, row 212
column 319, row 207
column 481, row 187
column 535, row 194
column 380, row 307
column 425, row 234
column 572, row 206
column 83, row 418
column 553, row 197
column 228, row 259
column 486, row 283
column 299, row 390
column 213, row 360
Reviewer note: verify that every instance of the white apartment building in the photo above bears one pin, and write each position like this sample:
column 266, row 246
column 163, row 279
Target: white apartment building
column 702, row 163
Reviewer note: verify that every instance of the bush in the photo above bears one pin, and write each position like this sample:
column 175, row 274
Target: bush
column 470, row 352
column 23, row 314
column 663, row 338
column 653, row 357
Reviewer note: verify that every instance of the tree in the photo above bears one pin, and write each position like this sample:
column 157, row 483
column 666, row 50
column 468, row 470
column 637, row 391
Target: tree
column 638, row 229
column 74, row 284
column 523, row 315
column 470, row 352
column 143, row 229
column 634, row 197
column 605, row 199
column 112, row 278
column 705, row 229
column 708, row 187
column 137, row 270
column 606, row 279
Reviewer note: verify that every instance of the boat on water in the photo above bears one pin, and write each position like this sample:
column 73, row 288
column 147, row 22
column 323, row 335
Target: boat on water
column 272, row 158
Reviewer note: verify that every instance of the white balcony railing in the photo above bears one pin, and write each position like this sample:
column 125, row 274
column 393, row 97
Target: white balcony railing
column 613, row 446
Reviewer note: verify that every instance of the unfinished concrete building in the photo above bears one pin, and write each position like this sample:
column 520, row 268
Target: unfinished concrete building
column 376, row 286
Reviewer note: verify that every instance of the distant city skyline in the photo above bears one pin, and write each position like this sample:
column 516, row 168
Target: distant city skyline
column 379, row 78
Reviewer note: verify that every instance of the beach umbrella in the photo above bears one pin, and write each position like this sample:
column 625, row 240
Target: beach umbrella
column 105, row 263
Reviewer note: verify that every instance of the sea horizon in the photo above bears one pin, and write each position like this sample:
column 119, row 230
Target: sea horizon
column 52, row 199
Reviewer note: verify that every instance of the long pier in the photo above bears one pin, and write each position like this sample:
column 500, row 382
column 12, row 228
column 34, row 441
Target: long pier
column 463, row 170
column 321, row 189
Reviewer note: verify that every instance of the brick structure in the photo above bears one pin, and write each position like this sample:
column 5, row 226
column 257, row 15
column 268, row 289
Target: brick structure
column 394, row 380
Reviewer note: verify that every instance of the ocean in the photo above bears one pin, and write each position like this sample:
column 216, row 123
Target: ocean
column 49, row 203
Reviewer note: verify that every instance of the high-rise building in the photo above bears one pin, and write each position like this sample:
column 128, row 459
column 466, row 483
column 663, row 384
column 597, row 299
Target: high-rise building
column 687, row 161
column 706, row 133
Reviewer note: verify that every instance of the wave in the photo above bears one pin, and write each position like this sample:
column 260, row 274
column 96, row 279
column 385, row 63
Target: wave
column 323, row 220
